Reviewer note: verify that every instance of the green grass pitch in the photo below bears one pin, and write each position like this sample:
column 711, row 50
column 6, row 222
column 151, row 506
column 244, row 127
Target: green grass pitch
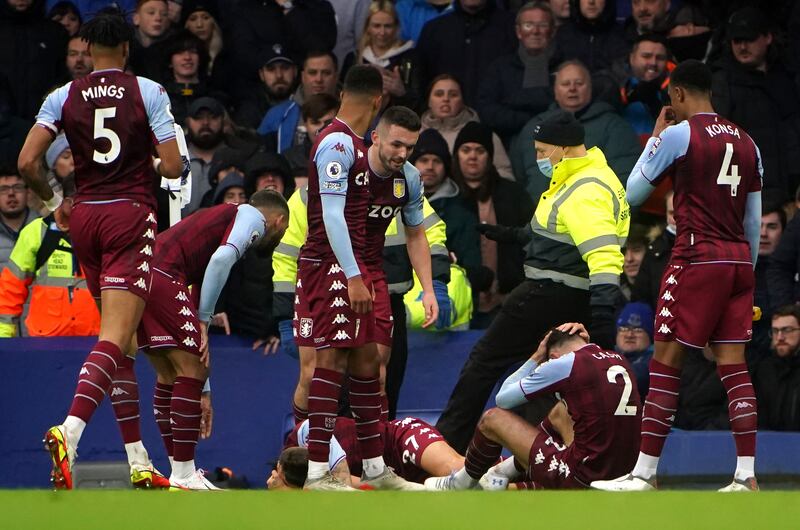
column 674, row 510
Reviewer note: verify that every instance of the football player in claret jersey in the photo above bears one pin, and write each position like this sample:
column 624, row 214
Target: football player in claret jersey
column 199, row 251
column 412, row 447
column 707, row 289
column 334, row 287
column 599, row 391
column 112, row 121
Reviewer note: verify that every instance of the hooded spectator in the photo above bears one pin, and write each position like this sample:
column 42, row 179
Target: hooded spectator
column 267, row 170
column 465, row 42
column 592, row 35
column 226, row 161
column 32, row 50
column 396, row 59
column 201, row 17
column 753, row 90
column 518, row 86
column 231, row 189
column 604, row 128
column 690, row 34
column 431, row 156
column 495, row 201
column 448, row 114
column 66, row 14
column 635, row 341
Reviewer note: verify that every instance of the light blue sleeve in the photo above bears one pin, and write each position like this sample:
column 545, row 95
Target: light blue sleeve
column 334, row 157
column 412, row 211
column 248, row 227
column 656, row 159
column 541, row 379
column 49, row 115
column 752, row 223
column 336, row 453
column 156, row 103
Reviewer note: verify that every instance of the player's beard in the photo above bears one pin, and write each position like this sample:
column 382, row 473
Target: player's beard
column 206, row 138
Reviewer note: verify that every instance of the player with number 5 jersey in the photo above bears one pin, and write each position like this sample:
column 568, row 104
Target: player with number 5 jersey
column 706, row 294
column 113, row 122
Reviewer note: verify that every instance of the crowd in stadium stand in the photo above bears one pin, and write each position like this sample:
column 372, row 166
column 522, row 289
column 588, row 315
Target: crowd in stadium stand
column 253, row 81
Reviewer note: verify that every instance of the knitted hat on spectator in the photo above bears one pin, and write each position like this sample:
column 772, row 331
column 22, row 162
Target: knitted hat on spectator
column 58, row 146
column 475, row 132
column 637, row 315
column 561, row 129
column 193, row 6
column 432, row 143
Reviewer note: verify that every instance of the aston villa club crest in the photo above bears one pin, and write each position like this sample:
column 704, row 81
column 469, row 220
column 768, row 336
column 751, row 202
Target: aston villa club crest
column 399, row 188
column 306, row 326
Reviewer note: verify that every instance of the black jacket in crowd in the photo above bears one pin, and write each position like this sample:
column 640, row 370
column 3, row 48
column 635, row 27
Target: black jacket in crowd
column 597, row 44
column 784, row 266
column 33, row 50
column 766, row 105
column 464, row 45
column 648, row 281
column 503, row 104
column 407, row 64
column 777, row 384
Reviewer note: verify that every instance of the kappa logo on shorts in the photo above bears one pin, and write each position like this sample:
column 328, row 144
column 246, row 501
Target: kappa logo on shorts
column 667, row 296
column 340, row 319
column 185, row 311
column 337, row 285
column 296, row 299
column 188, row 341
column 161, row 338
column 151, row 218
column 425, row 430
column 181, row 296
column 553, row 465
column 188, row 326
column 341, row 335
column 539, row 458
column 306, row 327
column 563, row 469
column 140, row 284
column 335, row 269
column 665, row 312
column 339, row 302
column 664, row 329
column 149, row 234
column 144, row 267
column 671, row 280
column 147, row 251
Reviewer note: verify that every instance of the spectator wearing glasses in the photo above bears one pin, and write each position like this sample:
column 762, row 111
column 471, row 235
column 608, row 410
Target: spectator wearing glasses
column 635, row 341
column 14, row 211
column 777, row 378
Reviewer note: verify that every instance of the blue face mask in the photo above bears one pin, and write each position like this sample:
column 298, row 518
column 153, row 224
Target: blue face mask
column 545, row 166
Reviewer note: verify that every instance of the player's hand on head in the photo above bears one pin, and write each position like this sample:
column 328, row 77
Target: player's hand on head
column 220, row 320
column 360, row 296
column 206, row 415
column 540, row 355
column 574, row 327
column 271, row 345
column 665, row 118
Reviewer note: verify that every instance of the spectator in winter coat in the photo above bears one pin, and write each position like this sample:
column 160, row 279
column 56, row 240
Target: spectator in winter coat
column 66, row 14
column 448, row 114
column 592, row 35
column 635, row 341
column 604, row 129
column 518, row 86
column 465, row 42
column 414, row 14
column 648, row 281
column 647, row 16
column 317, row 112
column 278, row 79
column 148, row 46
column 201, row 17
column 784, row 267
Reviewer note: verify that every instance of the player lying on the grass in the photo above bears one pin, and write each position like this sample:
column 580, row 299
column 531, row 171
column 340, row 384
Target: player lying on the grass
column 199, row 251
column 412, row 447
column 599, row 391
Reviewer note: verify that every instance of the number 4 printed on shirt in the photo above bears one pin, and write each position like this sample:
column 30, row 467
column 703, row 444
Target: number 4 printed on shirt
column 729, row 173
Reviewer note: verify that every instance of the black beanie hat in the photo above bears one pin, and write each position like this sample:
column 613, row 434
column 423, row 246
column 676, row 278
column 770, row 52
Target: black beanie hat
column 432, row 143
column 562, row 130
column 478, row 133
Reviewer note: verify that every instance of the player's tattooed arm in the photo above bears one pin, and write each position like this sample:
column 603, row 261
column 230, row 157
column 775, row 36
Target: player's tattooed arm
column 342, row 472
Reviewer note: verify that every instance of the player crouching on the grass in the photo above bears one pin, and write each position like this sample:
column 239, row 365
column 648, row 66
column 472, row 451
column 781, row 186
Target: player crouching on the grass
column 599, row 391
column 414, row 449
column 199, row 251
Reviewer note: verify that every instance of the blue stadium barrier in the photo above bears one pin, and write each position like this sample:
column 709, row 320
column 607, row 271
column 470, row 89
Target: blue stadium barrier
column 251, row 396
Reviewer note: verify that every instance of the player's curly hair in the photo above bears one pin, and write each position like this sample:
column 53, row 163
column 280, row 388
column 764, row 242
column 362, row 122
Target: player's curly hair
column 557, row 338
column 108, row 28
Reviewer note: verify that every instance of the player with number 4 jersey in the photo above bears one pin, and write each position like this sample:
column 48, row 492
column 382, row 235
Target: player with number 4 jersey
column 113, row 122
column 599, row 391
column 706, row 294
